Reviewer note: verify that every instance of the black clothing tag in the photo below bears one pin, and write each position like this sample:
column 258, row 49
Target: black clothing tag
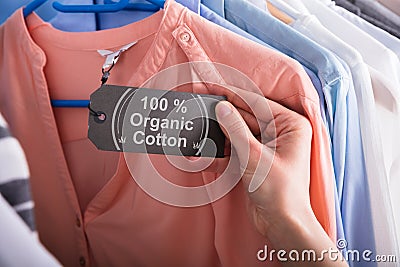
column 130, row 119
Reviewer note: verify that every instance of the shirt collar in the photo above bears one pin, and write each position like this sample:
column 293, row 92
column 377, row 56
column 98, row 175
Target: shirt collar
column 287, row 40
column 194, row 5
column 286, row 8
column 172, row 18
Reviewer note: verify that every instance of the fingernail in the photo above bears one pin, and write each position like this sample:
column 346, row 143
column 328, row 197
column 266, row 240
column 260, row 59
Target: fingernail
column 223, row 110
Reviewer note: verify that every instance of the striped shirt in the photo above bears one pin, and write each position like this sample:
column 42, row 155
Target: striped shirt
column 14, row 176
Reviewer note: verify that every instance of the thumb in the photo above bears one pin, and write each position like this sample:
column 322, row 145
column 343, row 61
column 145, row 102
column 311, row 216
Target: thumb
column 248, row 149
column 237, row 131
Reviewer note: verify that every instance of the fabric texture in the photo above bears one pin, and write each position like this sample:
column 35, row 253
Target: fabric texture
column 356, row 10
column 14, row 176
column 105, row 217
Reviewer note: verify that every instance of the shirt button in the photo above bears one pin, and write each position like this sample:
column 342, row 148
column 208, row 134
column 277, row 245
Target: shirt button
column 82, row 261
column 78, row 222
column 185, row 37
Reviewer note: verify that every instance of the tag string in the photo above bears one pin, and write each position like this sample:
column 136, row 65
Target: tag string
column 93, row 112
column 104, row 78
column 111, row 59
column 106, row 73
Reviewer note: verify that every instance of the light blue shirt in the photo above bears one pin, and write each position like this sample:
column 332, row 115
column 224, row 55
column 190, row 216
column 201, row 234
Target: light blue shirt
column 354, row 199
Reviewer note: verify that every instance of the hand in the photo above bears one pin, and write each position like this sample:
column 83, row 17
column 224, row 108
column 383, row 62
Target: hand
column 276, row 171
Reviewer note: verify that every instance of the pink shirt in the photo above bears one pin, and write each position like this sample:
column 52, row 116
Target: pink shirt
column 89, row 209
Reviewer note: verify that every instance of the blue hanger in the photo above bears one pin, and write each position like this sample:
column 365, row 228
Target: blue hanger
column 109, row 6
column 113, row 7
column 32, row 6
column 70, row 103
column 159, row 3
column 138, row 6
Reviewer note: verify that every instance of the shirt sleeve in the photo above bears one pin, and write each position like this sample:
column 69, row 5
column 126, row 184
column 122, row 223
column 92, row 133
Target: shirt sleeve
column 14, row 176
column 19, row 246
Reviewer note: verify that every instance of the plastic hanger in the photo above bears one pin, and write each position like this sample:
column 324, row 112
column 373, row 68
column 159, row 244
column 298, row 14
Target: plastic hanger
column 33, row 6
column 108, row 6
column 139, row 6
column 114, row 7
column 159, row 3
column 70, row 103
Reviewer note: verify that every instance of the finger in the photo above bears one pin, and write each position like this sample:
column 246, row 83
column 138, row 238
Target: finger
column 264, row 132
column 266, row 113
column 233, row 95
column 246, row 145
column 254, row 158
column 254, row 102
column 251, row 121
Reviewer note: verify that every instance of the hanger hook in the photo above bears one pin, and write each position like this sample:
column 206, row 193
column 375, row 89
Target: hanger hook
column 28, row 9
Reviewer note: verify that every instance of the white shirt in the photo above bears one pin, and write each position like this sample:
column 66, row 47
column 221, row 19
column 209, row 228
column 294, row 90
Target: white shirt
column 370, row 112
column 389, row 118
column 262, row 4
column 296, row 5
column 382, row 36
column 384, row 69
column 19, row 246
column 373, row 52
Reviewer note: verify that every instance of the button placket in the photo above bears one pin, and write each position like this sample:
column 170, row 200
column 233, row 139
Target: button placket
column 193, row 50
column 83, row 248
